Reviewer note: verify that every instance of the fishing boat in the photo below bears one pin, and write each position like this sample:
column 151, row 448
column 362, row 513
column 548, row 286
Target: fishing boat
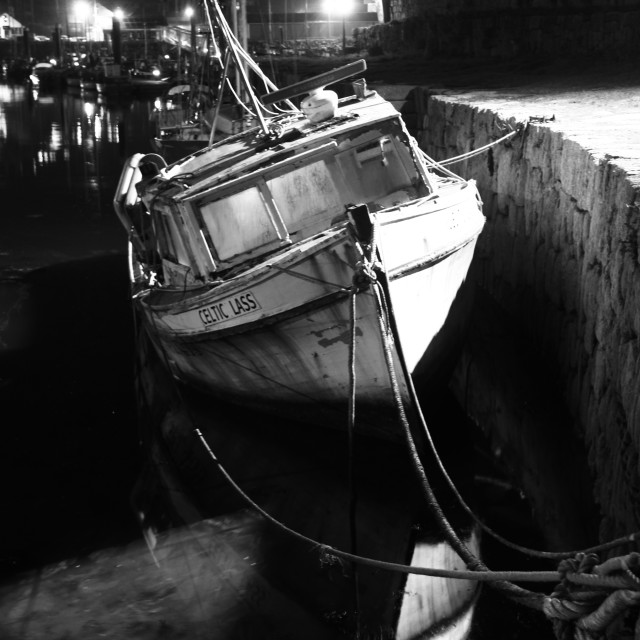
column 183, row 117
column 193, row 115
column 111, row 81
column 303, row 271
column 297, row 265
column 154, row 79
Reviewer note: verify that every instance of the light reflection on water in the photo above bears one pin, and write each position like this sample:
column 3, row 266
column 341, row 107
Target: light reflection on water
column 63, row 149
column 61, row 155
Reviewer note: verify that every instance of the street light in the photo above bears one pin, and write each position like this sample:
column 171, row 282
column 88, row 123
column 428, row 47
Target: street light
column 191, row 14
column 341, row 8
column 81, row 10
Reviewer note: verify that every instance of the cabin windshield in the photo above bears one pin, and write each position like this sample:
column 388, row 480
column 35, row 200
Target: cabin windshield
column 380, row 170
column 238, row 223
column 293, row 200
column 307, row 197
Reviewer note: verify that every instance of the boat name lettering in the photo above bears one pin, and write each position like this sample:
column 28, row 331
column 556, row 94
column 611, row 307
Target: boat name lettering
column 229, row 308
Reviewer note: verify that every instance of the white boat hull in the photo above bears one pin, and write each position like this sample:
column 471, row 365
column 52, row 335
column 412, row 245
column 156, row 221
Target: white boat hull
column 278, row 337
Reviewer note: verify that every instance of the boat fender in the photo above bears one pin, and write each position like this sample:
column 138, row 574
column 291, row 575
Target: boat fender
column 149, row 167
column 126, row 194
column 320, row 104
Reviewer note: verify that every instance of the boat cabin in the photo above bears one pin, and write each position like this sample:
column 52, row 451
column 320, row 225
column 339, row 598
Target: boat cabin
column 246, row 197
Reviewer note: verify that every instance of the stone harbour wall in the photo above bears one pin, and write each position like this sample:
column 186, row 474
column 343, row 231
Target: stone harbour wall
column 560, row 256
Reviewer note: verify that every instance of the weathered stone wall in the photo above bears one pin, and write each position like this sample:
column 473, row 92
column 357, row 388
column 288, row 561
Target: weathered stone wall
column 506, row 28
column 402, row 9
column 560, row 255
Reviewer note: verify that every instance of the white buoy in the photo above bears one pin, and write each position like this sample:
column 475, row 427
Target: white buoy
column 320, row 104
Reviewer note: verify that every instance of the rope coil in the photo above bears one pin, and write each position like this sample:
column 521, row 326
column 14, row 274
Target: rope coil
column 593, row 600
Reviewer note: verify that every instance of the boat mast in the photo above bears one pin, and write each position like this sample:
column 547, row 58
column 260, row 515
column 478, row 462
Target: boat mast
column 234, row 47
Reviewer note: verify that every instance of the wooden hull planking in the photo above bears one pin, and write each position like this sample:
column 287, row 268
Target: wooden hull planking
column 277, row 337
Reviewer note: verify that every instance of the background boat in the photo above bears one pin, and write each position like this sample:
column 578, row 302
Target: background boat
column 184, row 117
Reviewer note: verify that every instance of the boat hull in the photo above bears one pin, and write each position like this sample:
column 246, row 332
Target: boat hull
column 278, row 337
column 173, row 149
column 298, row 476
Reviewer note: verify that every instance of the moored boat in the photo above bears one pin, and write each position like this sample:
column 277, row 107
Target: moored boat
column 245, row 256
column 306, row 267
column 192, row 115
column 49, row 76
column 112, row 81
column 144, row 81
column 184, row 117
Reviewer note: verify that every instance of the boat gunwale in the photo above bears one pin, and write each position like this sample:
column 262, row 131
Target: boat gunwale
column 324, row 300
column 424, row 263
column 299, row 251
column 257, row 274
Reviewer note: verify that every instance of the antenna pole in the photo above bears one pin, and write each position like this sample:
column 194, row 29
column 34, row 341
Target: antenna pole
column 239, row 66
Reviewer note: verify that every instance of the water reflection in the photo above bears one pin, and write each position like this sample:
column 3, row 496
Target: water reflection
column 68, row 149
column 61, row 155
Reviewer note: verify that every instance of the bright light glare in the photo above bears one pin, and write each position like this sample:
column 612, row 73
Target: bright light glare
column 338, row 7
column 188, row 12
column 81, row 9
column 156, row 72
column 118, row 14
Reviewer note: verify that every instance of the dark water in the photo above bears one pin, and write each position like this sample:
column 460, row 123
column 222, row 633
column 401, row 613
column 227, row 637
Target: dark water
column 60, row 160
column 70, row 454
column 65, row 346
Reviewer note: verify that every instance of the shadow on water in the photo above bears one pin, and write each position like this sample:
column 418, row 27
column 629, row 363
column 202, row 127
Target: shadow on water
column 73, row 560
column 70, row 454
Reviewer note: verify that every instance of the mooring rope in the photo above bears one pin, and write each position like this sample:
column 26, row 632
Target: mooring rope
column 550, row 555
column 353, row 532
column 590, row 598
column 328, row 552
column 384, row 314
column 481, row 573
column 479, row 150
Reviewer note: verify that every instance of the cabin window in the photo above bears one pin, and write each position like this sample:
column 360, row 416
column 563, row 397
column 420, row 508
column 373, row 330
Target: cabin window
column 171, row 244
column 381, row 172
column 238, row 223
column 306, row 195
